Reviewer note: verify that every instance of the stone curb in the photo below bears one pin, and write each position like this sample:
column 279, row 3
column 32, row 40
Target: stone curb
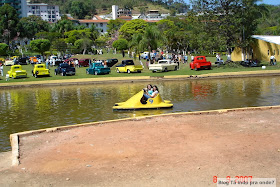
column 15, row 138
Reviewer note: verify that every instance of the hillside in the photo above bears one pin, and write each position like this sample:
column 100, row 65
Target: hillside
column 103, row 7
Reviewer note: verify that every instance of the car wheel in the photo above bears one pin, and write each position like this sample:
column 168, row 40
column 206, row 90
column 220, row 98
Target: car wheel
column 95, row 73
column 195, row 68
column 128, row 71
column 35, row 75
column 139, row 71
column 165, row 69
column 118, row 71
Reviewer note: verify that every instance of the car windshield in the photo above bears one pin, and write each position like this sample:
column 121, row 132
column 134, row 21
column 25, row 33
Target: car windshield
column 200, row 58
column 98, row 64
column 64, row 65
column 16, row 67
column 129, row 62
column 40, row 66
column 162, row 62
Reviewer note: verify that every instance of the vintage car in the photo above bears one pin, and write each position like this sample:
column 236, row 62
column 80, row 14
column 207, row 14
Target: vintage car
column 200, row 62
column 16, row 71
column 163, row 65
column 33, row 60
column 84, row 62
column 40, row 70
column 97, row 68
column 21, row 61
column 134, row 103
column 128, row 66
column 9, row 63
column 111, row 62
column 65, row 69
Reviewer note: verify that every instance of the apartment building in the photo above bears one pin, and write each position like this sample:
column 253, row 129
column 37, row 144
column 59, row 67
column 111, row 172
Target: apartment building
column 47, row 12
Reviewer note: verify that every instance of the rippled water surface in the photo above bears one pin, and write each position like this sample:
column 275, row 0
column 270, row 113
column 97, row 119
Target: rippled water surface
column 35, row 108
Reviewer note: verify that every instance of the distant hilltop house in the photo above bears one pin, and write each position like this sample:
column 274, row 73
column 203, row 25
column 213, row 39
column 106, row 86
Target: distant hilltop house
column 47, row 12
column 262, row 49
column 97, row 21
column 101, row 21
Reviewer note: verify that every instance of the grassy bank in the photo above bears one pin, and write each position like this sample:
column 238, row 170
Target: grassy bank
column 184, row 69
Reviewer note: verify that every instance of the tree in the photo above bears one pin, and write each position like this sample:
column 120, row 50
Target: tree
column 3, row 49
column 40, row 45
column 115, row 25
column 29, row 26
column 120, row 44
column 51, row 36
column 60, row 45
column 132, row 27
column 84, row 44
column 150, row 39
column 80, row 9
column 8, row 22
column 63, row 25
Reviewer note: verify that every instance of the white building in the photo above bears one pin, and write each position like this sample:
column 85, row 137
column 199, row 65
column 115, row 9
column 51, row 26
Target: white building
column 47, row 12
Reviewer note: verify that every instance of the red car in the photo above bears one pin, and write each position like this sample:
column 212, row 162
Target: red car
column 200, row 62
column 84, row 62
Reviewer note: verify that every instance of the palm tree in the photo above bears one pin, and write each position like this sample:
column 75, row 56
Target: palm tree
column 150, row 39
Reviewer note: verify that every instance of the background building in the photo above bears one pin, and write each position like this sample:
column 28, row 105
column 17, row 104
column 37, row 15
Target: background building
column 19, row 5
column 262, row 49
column 47, row 12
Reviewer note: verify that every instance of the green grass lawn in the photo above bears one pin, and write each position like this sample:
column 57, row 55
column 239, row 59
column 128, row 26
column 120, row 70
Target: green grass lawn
column 184, row 69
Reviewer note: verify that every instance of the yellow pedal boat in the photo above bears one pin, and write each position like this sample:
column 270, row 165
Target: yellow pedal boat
column 134, row 103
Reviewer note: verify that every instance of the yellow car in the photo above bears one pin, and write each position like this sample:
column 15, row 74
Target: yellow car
column 40, row 70
column 16, row 71
column 13, row 57
column 134, row 103
column 128, row 66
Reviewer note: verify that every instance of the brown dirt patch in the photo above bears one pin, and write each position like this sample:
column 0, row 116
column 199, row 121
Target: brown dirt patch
column 175, row 150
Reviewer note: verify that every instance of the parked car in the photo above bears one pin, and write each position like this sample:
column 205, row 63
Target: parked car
column 128, row 66
column 84, row 62
column 65, row 69
column 21, row 61
column 40, row 70
column 9, row 63
column 163, row 65
column 144, row 55
column 16, row 71
column 33, row 60
column 97, row 68
column 111, row 62
column 200, row 62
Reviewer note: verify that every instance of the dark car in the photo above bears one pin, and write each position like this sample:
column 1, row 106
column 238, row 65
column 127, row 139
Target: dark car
column 111, row 62
column 84, row 62
column 65, row 69
column 21, row 61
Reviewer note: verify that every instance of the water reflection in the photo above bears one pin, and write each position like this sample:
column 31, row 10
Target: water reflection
column 35, row 108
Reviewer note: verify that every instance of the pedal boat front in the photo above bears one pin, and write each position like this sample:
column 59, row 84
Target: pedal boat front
column 134, row 103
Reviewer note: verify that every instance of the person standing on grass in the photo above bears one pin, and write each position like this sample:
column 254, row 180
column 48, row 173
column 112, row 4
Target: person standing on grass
column 1, row 70
column 272, row 59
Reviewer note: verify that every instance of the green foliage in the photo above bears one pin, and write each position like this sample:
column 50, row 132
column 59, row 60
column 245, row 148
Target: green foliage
column 80, row 9
column 3, row 49
column 8, row 22
column 83, row 44
column 133, row 27
column 40, row 45
column 115, row 25
column 51, row 36
column 63, row 25
column 29, row 26
column 120, row 44
column 73, row 35
column 59, row 45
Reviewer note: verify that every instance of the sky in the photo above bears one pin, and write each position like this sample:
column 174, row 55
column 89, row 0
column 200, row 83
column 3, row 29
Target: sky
column 270, row 2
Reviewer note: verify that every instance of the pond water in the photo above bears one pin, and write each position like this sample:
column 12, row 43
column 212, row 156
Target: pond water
column 36, row 108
